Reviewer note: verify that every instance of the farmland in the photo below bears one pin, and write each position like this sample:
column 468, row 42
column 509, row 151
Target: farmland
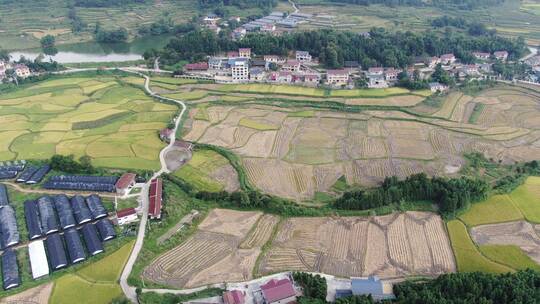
column 360, row 138
column 107, row 118
column 349, row 246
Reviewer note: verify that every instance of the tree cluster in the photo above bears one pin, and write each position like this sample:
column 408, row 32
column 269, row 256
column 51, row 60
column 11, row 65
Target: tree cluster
column 451, row 195
column 110, row 35
column 77, row 24
column 106, row 3
column 382, row 48
column 313, row 286
column 238, row 3
column 68, row 164
column 459, row 4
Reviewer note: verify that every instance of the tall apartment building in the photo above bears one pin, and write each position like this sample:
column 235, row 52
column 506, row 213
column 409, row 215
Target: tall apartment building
column 239, row 69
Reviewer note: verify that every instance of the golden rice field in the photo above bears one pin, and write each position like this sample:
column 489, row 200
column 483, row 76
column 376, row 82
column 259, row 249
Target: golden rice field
column 296, row 151
column 109, row 119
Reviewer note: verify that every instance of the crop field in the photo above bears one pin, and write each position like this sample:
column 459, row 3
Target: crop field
column 412, row 243
column 498, row 208
column 212, row 254
column 527, row 199
column 105, row 118
column 468, row 257
column 38, row 295
column 207, row 170
column 509, row 255
column 520, row 233
column 296, row 156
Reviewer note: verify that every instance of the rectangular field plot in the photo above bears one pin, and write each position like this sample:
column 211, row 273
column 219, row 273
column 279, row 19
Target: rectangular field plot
column 412, row 243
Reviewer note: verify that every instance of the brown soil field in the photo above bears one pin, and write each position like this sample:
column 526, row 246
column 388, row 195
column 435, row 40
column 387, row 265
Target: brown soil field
column 412, row 243
column 297, row 152
column 521, row 233
column 36, row 295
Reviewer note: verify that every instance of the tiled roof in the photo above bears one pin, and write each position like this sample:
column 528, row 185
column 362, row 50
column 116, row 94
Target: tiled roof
column 276, row 290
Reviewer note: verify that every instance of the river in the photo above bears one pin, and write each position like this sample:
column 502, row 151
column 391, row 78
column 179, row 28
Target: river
column 98, row 52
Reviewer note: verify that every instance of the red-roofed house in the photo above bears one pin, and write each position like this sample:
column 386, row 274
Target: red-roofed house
column 337, row 77
column 199, row 66
column 155, row 195
column 165, row 134
column 291, row 66
column 278, row 292
column 233, row 297
column 244, row 52
column 126, row 216
column 501, row 55
column 232, row 54
column 125, row 182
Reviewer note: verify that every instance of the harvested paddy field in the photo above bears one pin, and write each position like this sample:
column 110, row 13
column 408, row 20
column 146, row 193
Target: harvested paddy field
column 228, row 244
column 412, row 243
column 299, row 144
column 106, row 118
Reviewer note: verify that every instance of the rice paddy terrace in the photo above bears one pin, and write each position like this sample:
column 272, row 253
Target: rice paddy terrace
column 296, row 142
column 107, row 118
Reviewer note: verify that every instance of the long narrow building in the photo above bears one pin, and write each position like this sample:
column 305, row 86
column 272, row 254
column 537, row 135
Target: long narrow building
column 74, row 246
column 96, row 207
column 33, row 224
column 56, row 252
column 80, row 210
column 47, row 215
column 9, row 234
column 64, row 210
column 38, row 259
column 10, row 270
column 91, row 239
column 155, row 196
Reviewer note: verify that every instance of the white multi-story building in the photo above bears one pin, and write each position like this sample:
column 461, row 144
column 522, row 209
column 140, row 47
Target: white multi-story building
column 337, row 77
column 239, row 69
column 22, row 71
column 303, row 56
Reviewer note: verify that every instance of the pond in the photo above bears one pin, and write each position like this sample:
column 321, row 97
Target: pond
column 99, row 52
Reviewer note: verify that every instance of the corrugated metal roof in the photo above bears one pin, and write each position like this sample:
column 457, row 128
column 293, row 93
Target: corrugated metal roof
column 56, row 252
column 74, row 246
column 80, row 210
column 39, row 175
column 27, row 174
column 8, row 227
column 106, row 229
column 65, row 213
column 91, row 239
column 38, row 259
column 47, row 215
column 96, row 207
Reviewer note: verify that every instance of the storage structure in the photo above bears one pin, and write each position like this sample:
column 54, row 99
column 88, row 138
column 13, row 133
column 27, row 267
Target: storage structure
column 10, row 270
column 4, row 198
column 38, row 259
column 39, row 175
column 80, row 210
column 27, row 174
column 91, row 239
column 96, row 207
column 81, row 182
column 9, row 235
column 33, row 223
column 47, row 215
column 64, row 210
column 55, row 250
column 106, row 229
column 74, row 246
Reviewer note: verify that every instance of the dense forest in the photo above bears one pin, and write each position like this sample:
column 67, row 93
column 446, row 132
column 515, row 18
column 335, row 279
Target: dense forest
column 461, row 4
column 382, row 48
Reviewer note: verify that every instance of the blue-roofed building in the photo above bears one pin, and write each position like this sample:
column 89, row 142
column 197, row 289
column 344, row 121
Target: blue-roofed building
column 373, row 286
column 91, row 239
column 343, row 293
column 74, row 246
column 33, row 224
column 80, row 210
column 56, row 252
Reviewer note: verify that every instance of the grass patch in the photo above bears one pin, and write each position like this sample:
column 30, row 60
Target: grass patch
column 527, row 199
column 303, row 114
column 198, row 170
column 250, row 123
column 509, row 255
column 496, row 209
column 468, row 258
column 478, row 108
column 109, row 268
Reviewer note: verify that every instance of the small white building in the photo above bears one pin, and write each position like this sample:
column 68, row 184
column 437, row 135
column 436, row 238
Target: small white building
column 244, row 52
column 126, row 216
column 337, row 77
column 448, row 59
column 274, row 59
column 303, row 56
column 22, row 71
column 38, row 259
column 437, row 87
column 291, row 66
column 501, row 55
column 481, row 55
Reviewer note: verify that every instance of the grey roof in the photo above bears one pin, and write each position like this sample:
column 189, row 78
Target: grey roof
column 84, row 179
column 39, row 175
column 56, row 252
column 74, row 246
column 343, row 293
column 33, row 224
column 8, row 174
column 49, row 223
column 27, row 174
column 4, row 199
column 370, row 285
column 106, row 229
column 80, row 210
column 8, row 227
column 96, row 207
column 91, row 239
column 10, row 270
column 79, row 186
column 65, row 213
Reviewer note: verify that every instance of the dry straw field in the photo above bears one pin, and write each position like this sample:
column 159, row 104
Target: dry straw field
column 227, row 245
column 294, row 151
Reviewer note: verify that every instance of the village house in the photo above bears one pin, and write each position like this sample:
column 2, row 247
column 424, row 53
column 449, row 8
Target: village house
column 337, row 77
column 198, row 66
column 165, row 134
column 448, row 59
column 281, row 77
column 312, row 79
column 351, row 66
column 239, row 69
column 274, row 59
column 433, row 61
column 125, row 183
column 291, row 66
column 303, row 56
column 376, row 71
column 278, row 292
column 233, row 297
column 259, row 63
column 256, row 74
column 485, row 67
column 22, row 71
column 391, row 74
column 268, row 28
column 501, row 55
column 371, row 286
column 437, row 87
column 481, row 55
column 126, row 216
column 211, row 19
column 244, row 53
column 214, row 28
column 216, row 63
column 470, row 69
column 232, row 54
column 238, row 33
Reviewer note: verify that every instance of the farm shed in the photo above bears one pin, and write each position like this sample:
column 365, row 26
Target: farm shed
column 126, row 216
column 155, row 197
column 4, row 198
column 27, row 174
column 8, row 174
column 10, row 270
column 8, row 227
column 33, row 224
column 47, row 215
column 233, row 297
column 82, row 182
column 80, row 210
column 56, row 251
column 38, row 259
column 74, row 246
column 278, row 291
column 106, row 229
column 370, row 285
column 91, row 239
column 65, row 213
column 39, row 175
column 96, row 207
column 125, row 182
